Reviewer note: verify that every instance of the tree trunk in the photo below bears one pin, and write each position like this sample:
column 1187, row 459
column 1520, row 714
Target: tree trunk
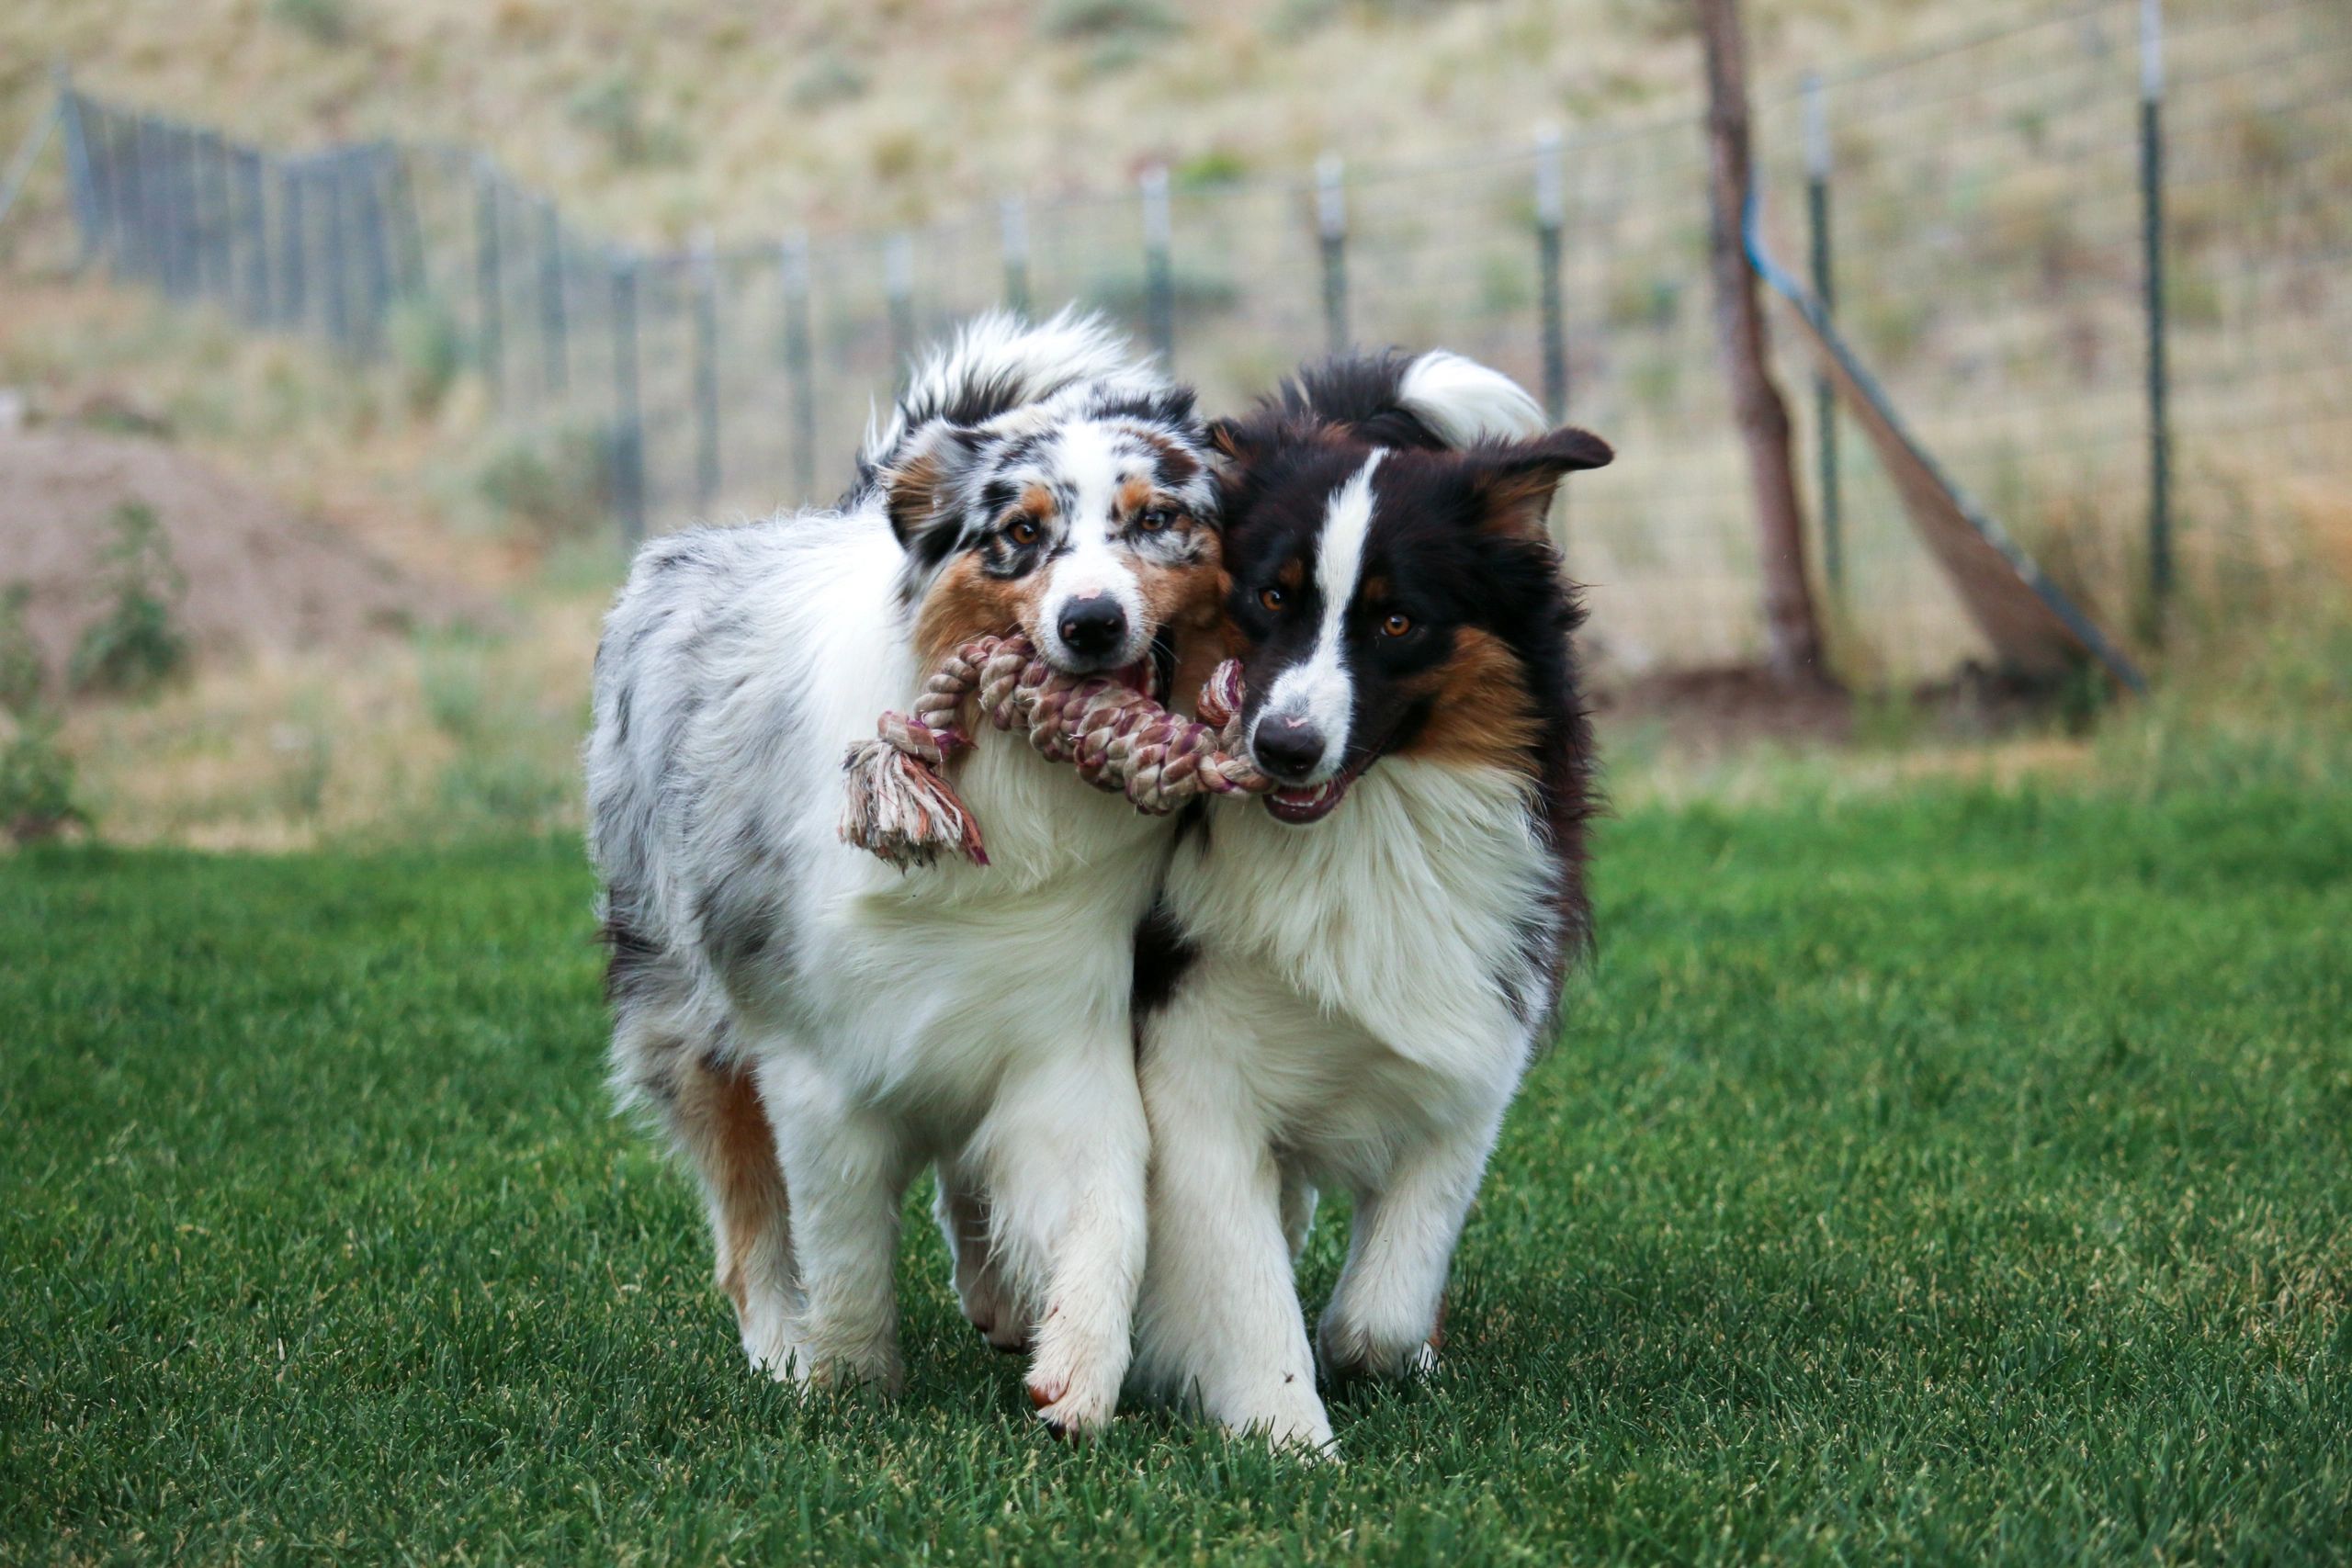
column 1793, row 629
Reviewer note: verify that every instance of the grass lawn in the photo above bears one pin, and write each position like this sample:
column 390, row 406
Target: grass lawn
column 1959, row 1177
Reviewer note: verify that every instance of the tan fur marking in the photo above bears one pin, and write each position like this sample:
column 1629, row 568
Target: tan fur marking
column 1037, row 501
column 1292, row 574
column 1482, row 716
column 1188, row 598
column 965, row 602
column 720, row 1111
column 1135, row 494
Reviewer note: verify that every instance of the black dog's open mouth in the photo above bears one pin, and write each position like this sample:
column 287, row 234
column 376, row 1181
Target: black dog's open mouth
column 1312, row 803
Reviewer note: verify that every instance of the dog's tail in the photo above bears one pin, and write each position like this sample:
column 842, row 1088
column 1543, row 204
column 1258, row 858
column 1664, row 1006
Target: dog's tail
column 1435, row 400
column 999, row 362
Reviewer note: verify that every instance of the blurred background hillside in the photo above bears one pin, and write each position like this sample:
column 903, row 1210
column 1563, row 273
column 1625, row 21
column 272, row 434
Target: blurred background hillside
column 281, row 585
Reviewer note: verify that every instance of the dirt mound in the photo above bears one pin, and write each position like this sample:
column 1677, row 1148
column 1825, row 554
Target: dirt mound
column 261, row 577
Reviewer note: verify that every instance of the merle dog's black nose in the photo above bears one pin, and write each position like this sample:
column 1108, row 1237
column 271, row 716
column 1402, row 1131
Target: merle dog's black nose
column 1287, row 749
column 1094, row 625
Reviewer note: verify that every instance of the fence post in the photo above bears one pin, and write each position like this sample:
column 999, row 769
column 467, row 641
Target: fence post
column 898, row 284
column 375, row 264
column 628, row 430
column 705, row 265
column 1331, row 234
column 253, row 215
column 1825, row 291
column 1012, row 221
column 490, row 327
column 1159, row 266
column 171, row 157
column 408, row 237
column 1551, row 234
column 81, row 174
column 554, row 368
column 216, row 272
column 294, row 241
column 799, row 362
column 2151, row 239
column 337, row 260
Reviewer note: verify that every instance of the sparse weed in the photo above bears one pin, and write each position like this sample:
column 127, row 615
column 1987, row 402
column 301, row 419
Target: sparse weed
column 133, row 647
column 320, row 21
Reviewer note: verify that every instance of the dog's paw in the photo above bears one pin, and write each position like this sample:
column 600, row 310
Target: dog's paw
column 818, row 1373
column 1289, row 1419
column 1352, row 1352
column 1075, row 1411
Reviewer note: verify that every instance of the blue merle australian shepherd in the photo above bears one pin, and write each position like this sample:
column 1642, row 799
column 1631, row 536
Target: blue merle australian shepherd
column 1348, row 978
column 812, row 1026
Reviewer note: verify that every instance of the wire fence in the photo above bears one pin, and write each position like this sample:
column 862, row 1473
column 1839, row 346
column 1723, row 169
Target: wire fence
column 2103, row 271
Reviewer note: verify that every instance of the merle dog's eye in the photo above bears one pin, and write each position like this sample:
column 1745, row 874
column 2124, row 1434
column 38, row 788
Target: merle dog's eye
column 1022, row 531
column 1395, row 624
column 1273, row 598
column 1155, row 519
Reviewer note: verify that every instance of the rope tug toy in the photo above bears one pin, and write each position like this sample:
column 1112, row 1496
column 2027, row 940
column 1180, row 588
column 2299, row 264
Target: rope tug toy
column 901, row 808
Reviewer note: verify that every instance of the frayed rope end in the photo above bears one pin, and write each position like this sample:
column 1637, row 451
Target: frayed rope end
column 899, row 807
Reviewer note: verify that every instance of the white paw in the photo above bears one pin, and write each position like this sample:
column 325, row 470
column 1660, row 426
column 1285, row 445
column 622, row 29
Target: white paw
column 820, row 1370
column 1352, row 1350
column 1289, row 1419
column 1075, row 1375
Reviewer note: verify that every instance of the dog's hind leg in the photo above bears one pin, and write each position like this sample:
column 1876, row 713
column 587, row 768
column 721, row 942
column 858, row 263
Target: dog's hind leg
column 982, row 1286
column 670, row 1056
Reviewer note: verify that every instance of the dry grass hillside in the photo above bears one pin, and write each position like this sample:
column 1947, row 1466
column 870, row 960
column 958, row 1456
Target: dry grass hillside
column 655, row 119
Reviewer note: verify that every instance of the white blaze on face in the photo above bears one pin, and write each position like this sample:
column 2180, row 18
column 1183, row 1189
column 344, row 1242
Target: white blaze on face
column 1086, row 460
column 1319, row 691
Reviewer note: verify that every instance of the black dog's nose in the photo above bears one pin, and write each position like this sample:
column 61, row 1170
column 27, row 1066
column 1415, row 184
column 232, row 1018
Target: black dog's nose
column 1287, row 749
column 1093, row 627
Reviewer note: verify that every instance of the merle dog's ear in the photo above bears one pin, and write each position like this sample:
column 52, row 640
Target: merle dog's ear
column 921, row 486
column 1513, row 483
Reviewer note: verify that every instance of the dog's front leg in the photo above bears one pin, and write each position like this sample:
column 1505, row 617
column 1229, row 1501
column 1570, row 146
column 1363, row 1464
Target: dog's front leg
column 846, row 1167
column 1220, row 1320
column 1064, row 1150
column 1381, row 1321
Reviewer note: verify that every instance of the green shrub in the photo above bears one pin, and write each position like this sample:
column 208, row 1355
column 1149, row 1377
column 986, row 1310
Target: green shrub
column 36, row 782
column 133, row 647
column 555, row 487
column 427, row 351
column 1110, row 20
column 609, row 107
column 23, row 679
column 320, row 21
column 830, row 78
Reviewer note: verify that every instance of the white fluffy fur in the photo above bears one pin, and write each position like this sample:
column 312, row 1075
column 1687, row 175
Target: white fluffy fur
column 973, row 1017
column 1465, row 402
column 1341, row 1025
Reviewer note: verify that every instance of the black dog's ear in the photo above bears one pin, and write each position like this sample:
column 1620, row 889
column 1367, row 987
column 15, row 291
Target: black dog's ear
column 921, row 486
column 1513, row 483
column 1236, row 446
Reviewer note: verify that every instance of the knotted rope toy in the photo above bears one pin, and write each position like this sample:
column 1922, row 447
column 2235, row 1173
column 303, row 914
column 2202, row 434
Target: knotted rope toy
column 901, row 807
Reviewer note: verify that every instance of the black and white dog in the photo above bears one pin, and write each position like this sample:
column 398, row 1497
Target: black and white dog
column 812, row 1026
column 1353, row 1002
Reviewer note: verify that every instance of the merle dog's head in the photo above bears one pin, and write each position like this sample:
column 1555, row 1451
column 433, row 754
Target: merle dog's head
column 1393, row 587
column 1085, row 519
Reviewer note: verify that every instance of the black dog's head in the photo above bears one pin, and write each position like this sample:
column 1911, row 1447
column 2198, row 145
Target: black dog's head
column 1392, row 599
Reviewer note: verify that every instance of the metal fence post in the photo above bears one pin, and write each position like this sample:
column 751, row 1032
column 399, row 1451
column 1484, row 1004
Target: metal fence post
column 1331, row 234
column 294, row 245
column 2152, row 237
column 335, row 262
column 217, row 274
column 1825, row 289
column 408, row 236
column 171, row 143
column 628, row 430
column 1012, row 219
column 1551, row 233
column 554, row 352
column 253, row 221
column 1158, row 264
column 898, row 284
column 799, row 362
column 704, row 265
column 490, row 327
column 375, row 259
column 82, row 180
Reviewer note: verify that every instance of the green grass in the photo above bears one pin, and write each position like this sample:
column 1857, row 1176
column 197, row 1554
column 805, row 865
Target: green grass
column 1960, row 1178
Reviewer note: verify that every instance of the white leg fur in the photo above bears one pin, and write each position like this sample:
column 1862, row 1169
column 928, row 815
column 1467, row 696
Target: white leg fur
column 982, row 1287
column 1219, row 1316
column 1064, row 1156
column 1383, row 1315
column 848, row 1167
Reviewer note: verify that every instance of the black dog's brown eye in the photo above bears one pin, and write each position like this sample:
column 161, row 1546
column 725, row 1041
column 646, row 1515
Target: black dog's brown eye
column 1021, row 532
column 1273, row 598
column 1397, row 625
